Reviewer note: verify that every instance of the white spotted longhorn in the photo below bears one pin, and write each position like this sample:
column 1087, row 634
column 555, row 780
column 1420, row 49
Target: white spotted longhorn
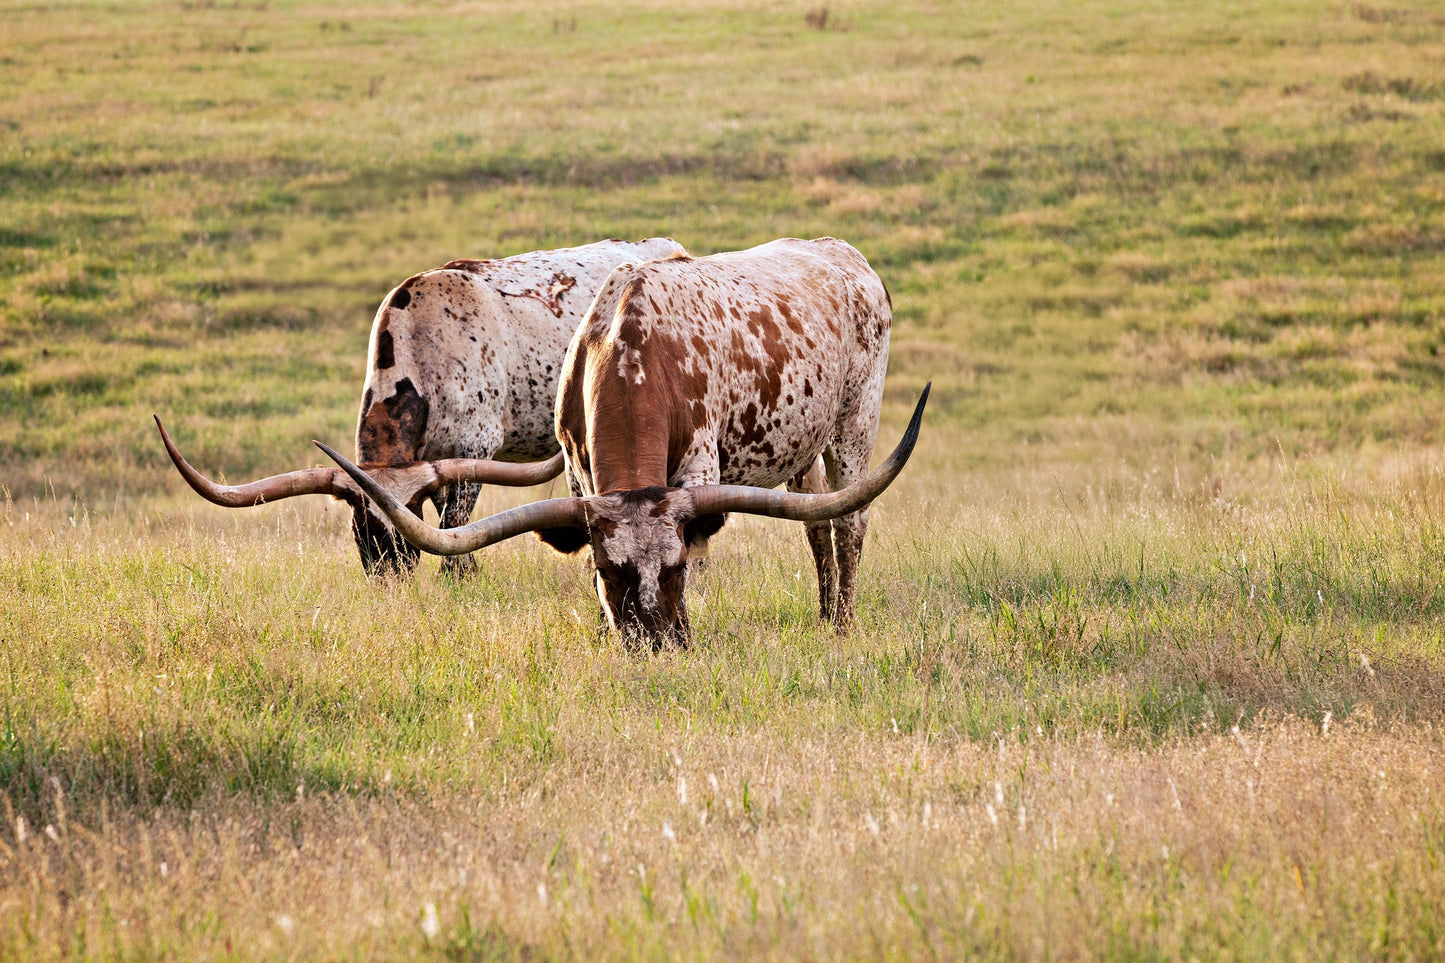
column 693, row 387
column 461, row 382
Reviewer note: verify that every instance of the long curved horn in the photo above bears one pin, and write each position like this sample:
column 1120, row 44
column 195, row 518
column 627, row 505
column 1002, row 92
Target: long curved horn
column 805, row 507
column 308, row 481
column 551, row 513
column 488, row 472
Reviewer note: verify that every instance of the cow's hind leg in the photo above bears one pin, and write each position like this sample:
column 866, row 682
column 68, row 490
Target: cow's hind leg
column 848, row 533
column 455, row 507
column 820, row 540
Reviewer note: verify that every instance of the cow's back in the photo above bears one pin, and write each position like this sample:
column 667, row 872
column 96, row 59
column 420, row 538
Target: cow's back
column 756, row 358
column 464, row 360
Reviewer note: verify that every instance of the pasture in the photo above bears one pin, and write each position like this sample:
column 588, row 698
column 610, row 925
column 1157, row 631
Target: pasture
column 1149, row 656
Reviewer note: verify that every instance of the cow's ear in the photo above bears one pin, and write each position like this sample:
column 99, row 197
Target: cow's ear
column 696, row 532
column 355, row 499
column 564, row 540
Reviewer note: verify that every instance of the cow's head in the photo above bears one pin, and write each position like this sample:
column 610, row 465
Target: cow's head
column 640, row 539
column 383, row 551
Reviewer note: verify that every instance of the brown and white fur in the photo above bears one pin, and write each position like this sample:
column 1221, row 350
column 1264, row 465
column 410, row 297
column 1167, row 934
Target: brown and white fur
column 752, row 368
column 464, row 362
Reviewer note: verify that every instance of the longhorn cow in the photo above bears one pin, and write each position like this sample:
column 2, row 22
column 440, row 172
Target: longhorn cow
column 693, row 387
column 463, row 367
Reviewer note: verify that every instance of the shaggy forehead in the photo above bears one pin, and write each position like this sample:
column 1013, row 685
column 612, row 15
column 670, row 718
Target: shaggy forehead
column 633, row 527
column 400, row 482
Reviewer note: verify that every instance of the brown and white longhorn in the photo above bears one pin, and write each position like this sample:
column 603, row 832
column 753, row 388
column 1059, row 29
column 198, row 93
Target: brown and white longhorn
column 693, row 387
column 461, row 382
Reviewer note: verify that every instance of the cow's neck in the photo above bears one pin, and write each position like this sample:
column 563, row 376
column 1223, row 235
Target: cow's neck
column 628, row 432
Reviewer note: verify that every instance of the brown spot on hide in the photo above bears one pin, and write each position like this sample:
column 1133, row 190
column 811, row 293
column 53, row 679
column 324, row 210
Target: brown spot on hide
column 752, row 431
column 394, row 430
column 571, row 416
column 551, row 298
column 688, row 408
column 785, row 308
column 401, row 298
column 628, row 307
column 761, row 323
column 469, row 265
column 385, row 351
column 767, row 371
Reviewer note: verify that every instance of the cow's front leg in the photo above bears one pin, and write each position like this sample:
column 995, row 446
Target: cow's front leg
column 846, row 461
column 820, row 540
column 455, row 506
column 848, row 533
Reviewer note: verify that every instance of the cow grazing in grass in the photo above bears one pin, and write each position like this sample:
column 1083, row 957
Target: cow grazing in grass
column 693, row 387
column 461, row 380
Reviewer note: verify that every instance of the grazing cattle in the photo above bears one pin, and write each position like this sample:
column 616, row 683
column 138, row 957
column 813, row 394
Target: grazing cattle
column 463, row 367
column 693, row 387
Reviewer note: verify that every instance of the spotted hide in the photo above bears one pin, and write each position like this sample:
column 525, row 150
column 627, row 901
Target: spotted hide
column 753, row 368
column 692, row 388
column 464, row 363
column 461, row 375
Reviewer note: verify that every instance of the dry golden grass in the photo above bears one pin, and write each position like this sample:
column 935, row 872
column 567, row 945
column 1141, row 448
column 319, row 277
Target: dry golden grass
column 1288, row 839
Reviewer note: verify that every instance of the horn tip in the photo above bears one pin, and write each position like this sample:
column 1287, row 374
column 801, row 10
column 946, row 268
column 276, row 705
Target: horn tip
column 165, row 437
column 340, row 459
column 917, row 418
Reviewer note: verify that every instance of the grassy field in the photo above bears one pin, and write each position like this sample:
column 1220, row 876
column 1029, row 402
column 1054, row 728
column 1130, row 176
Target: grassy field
column 1150, row 658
